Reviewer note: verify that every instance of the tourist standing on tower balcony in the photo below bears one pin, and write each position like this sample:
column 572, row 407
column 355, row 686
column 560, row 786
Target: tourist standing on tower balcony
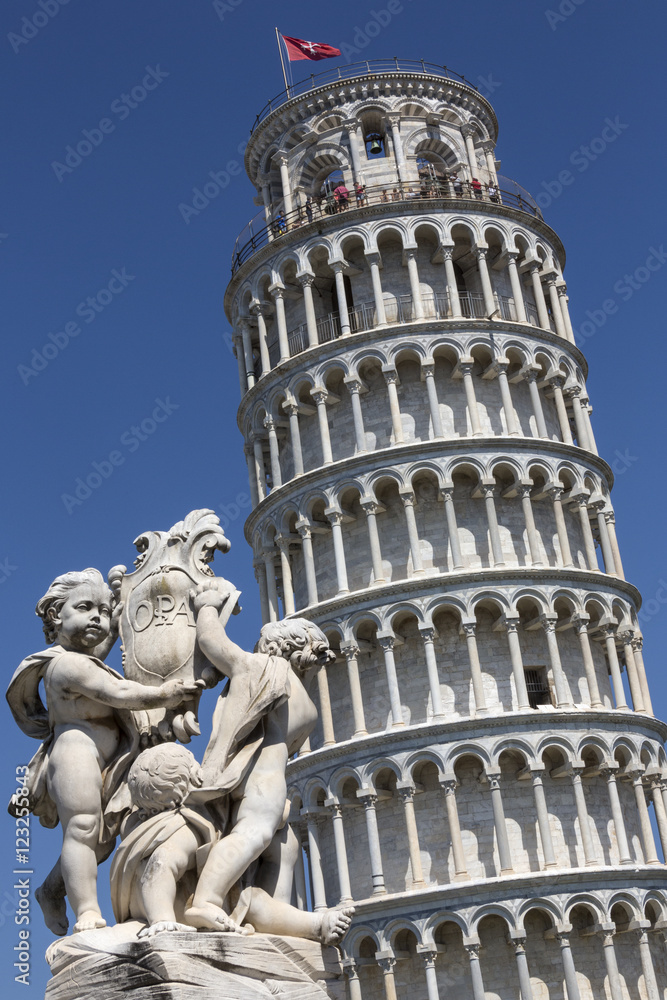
column 341, row 194
column 493, row 193
column 309, row 209
column 477, row 187
column 458, row 186
column 360, row 194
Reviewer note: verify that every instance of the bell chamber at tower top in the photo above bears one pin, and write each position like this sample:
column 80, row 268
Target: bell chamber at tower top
column 381, row 204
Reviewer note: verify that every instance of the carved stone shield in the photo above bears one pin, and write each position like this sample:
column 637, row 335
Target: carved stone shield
column 157, row 624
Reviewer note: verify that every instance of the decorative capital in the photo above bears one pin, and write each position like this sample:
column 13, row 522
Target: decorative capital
column 427, row 633
column 320, row 396
column 391, row 376
column 269, row 423
column 350, row 651
column 386, row 642
column 305, row 279
column 408, row 498
column 469, row 629
column 468, row 131
column 354, row 385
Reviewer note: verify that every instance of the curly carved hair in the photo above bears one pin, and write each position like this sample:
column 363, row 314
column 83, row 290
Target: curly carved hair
column 161, row 777
column 58, row 593
column 282, row 638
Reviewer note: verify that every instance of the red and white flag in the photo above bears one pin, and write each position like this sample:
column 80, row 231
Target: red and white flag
column 298, row 48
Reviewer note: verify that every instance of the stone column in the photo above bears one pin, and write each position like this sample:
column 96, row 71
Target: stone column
column 355, row 385
column 586, row 410
column 351, row 970
column 605, row 545
column 410, row 260
column 556, row 382
column 306, row 282
column 542, row 314
column 489, row 492
column 447, row 494
column 648, row 843
column 530, row 375
column 352, row 126
column 247, row 352
column 449, row 786
column 581, row 501
column 465, row 367
column 512, row 625
column 336, row 520
column 387, row 963
column 394, row 121
column 371, row 510
column 606, row 932
column 337, row 267
column 556, row 492
column 652, row 991
column 613, row 541
column 452, row 287
column 320, row 396
column 374, row 261
column 304, row 529
column 502, row 840
column 336, row 811
column 515, row 282
column 487, row 289
column 252, row 473
column 265, row 361
column 430, row 955
column 657, row 795
column 609, row 639
column 572, row 392
column 278, row 293
column 631, row 667
column 580, row 622
column 478, row 991
column 543, row 822
column 609, row 774
column 428, row 375
column 274, row 451
column 285, row 182
column 260, row 577
column 531, row 531
column 386, row 643
column 408, row 499
column 283, row 543
column 568, row 965
column 266, row 198
column 501, row 366
column 406, row 792
column 468, row 132
column 562, row 295
column 271, row 591
column 518, row 943
column 487, row 148
column 563, row 697
column 637, row 646
column 428, row 635
column 368, row 798
column 315, row 858
column 590, row 858
column 328, row 735
column 237, row 341
column 391, row 378
column 475, row 668
column 556, row 310
column 351, row 652
column 291, row 408
column 258, row 452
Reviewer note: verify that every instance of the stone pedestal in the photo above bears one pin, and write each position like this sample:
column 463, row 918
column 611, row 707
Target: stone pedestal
column 114, row 964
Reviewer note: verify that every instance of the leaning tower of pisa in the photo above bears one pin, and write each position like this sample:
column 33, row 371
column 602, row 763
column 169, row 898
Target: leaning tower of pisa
column 427, row 488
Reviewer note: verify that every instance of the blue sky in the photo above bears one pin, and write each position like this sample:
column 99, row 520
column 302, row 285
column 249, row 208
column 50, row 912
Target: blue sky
column 109, row 229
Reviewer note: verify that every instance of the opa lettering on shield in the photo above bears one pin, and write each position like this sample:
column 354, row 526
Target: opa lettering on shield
column 163, row 610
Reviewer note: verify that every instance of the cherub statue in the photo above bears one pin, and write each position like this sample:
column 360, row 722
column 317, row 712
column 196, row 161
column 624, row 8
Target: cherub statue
column 168, row 837
column 262, row 717
column 88, row 736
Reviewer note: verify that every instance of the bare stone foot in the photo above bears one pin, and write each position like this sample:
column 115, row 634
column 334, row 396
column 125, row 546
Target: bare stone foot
column 336, row 923
column 212, row 918
column 54, row 910
column 162, row 925
column 89, row 921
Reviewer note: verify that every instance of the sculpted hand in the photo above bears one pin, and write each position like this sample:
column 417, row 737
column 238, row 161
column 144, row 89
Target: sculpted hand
column 207, row 595
column 174, row 693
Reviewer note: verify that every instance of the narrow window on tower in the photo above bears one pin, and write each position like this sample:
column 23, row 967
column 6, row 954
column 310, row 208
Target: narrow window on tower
column 537, row 686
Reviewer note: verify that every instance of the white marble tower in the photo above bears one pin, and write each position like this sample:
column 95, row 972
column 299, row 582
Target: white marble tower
column 427, row 488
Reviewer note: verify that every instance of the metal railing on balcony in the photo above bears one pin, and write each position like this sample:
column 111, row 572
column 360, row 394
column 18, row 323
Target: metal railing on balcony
column 366, row 68
column 258, row 234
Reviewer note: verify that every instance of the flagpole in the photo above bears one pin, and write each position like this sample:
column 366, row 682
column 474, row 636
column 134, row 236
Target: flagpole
column 282, row 62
